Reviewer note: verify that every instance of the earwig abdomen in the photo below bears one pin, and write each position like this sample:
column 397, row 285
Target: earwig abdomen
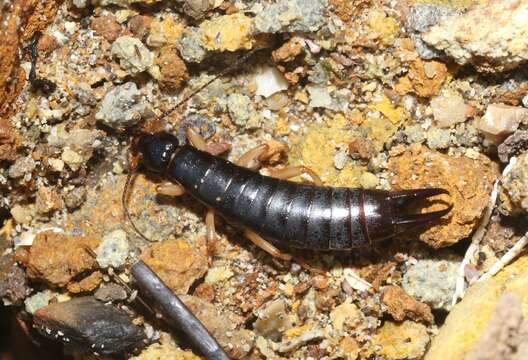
column 301, row 216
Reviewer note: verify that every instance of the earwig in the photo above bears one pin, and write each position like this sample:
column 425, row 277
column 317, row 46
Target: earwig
column 291, row 214
column 297, row 215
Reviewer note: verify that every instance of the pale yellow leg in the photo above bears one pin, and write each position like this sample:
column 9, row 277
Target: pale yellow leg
column 290, row 172
column 211, row 232
column 250, row 159
column 170, row 189
column 266, row 246
column 195, row 139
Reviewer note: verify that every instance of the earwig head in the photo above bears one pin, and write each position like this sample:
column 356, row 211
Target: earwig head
column 156, row 150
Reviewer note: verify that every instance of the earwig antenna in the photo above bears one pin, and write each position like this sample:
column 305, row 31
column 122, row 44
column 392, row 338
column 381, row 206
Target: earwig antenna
column 124, row 197
column 224, row 72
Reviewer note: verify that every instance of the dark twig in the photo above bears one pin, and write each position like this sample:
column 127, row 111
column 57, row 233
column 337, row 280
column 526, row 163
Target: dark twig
column 176, row 313
column 45, row 85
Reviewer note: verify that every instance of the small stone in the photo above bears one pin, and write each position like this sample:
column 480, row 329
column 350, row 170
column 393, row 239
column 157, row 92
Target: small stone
column 361, row 148
column 88, row 284
column 196, row 8
column 89, row 325
column 288, row 51
column 494, row 36
column 113, row 250
column 320, row 97
column 272, row 320
column 501, row 120
column 122, row 107
column 47, row 200
column 269, row 81
column 241, row 109
column 13, row 285
column 172, row 70
column 423, row 83
column 22, row 214
column 110, row 292
column 165, row 350
column 177, row 263
column 368, row 180
column 72, row 159
column 218, row 274
column 190, row 46
column 140, row 25
column 292, row 16
column 438, row 138
column 449, row 109
column 227, row 33
column 400, row 305
column 514, row 194
column 406, row 340
column 513, row 145
column 38, row 300
column 21, row 167
column 106, row 26
column 56, row 164
column 75, row 197
column 345, row 316
column 432, row 281
column 340, row 159
column 133, row 56
column 57, row 258
column 349, row 347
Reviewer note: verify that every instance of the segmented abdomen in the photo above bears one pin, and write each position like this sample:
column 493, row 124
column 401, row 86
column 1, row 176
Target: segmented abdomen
column 302, row 216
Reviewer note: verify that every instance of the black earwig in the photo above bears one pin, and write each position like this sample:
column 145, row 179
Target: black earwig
column 288, row 213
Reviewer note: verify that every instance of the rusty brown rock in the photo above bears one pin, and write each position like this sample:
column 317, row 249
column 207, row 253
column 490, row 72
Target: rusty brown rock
column 361, row 148
column 107, row 27
column 47, row 200
column 425, row 78
column 401, row 305
column 173, row 70
column 177, row 263
column 469, row 182
column 288, row 51
column 88, row 284
column 57, row 258
column 13, row 286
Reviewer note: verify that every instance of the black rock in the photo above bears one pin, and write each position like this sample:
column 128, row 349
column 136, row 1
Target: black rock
column 89, row 325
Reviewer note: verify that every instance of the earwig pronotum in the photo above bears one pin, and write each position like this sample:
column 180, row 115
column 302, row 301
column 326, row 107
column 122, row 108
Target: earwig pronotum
column 287, row 213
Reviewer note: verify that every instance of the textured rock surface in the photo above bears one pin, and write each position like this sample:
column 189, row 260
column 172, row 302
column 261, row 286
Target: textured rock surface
column 514, row 195
column 468, row 320
column 492, row 37
column 419, row 167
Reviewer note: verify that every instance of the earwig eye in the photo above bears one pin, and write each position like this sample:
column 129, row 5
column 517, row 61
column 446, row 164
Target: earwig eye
column 156, row 150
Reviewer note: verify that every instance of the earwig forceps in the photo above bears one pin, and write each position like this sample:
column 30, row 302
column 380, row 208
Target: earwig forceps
column 176, row 313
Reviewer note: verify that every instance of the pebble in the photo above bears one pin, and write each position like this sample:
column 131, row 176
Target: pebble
column 74, row 198
column 13, row 284
column 122, row 107
column 432, row 281
column 272, row 320
column 113, row 250
column 110, row 292
column 242, row 111
column 218, row 274
column 402, row 341
column 106, row 26
column 320, row 97
column 177, row 263
column 292, row 16
column 269, row 81
column 47, row 200
column 89, row 325
column 134, row 57
column 494, row 36
column 513, row 145
column 438, row 138
column 345, row 316
column 72, row 158
column 501, row 120
column 21, row 214
column 38, row 300
column 57, row 258
column 21, row 167
column 401, row 305
column 368, row 180
column 173, row 72
column 514, row 193
column 449, row 109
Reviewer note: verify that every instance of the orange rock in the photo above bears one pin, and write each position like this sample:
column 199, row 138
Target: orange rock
column 288, row 51
column 401, row 305
column 176, row 263
column 349, row 347
column 425, row 78
column 57, row 258
column 469, row 182
column 89, row 283
column 107, row 27
column 173, row 70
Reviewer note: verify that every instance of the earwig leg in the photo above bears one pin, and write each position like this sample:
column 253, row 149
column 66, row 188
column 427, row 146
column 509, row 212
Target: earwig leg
column 195, row 139
column 265, row 245
column 290, row 172
column 250, row 159
column 170, row 189
column 211, row 232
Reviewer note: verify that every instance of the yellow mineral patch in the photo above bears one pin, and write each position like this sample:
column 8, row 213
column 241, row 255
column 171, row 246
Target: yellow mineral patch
column 227, row 33
column 380, row 129
column 386, row 28
column 406, row 340
column 394, row 113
